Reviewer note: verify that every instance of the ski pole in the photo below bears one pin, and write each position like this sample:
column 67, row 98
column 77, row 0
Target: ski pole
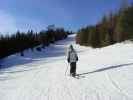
column 66, row 69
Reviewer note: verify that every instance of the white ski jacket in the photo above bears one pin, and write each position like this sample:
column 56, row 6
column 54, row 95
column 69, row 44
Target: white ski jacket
column 72, row 56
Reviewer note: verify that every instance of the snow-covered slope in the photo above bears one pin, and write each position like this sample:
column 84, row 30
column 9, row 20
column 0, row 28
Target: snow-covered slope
column 105, row 74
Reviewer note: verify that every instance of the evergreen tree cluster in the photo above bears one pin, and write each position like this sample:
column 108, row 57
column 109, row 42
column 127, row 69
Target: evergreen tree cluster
column 20, row 41
column 116, row 27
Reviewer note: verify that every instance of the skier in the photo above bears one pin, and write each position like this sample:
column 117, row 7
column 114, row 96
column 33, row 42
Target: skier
column 72, row 58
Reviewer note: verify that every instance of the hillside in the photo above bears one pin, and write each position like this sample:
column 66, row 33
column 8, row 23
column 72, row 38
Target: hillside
column 105, row 74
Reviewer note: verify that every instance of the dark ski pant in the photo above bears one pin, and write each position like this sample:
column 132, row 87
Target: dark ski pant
column 73, row 68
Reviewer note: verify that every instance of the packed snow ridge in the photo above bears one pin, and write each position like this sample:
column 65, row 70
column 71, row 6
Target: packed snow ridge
column 105, row 74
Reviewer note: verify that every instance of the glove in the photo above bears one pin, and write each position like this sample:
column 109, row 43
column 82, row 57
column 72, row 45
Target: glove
column 68, row 60
column 77, row 58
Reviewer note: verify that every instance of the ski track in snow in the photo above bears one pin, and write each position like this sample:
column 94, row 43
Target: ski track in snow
column 45, row 78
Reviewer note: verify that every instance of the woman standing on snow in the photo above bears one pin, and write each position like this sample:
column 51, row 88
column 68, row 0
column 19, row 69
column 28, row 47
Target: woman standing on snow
column 72, row 58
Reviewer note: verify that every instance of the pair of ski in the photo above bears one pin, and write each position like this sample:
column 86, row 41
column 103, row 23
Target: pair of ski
column 78, row 76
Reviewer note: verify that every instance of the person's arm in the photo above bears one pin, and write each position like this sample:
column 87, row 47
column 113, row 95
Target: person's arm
column 68, row 57
column 76, row 56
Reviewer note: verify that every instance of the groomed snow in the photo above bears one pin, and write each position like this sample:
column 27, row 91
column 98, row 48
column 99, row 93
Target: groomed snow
column 105, row 74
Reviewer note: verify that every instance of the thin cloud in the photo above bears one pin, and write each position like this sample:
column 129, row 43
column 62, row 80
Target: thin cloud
column 24, row 24
column 7, row 23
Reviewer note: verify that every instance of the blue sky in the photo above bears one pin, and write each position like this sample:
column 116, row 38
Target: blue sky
column 38, row 14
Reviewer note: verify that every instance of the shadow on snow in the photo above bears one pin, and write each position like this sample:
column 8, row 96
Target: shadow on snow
column 107, row 68
column 52, row 51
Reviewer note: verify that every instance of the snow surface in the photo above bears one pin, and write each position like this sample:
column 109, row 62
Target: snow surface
column 105, row 74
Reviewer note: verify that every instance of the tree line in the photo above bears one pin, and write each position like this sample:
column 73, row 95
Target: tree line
column 113, row 28
column 17, row 43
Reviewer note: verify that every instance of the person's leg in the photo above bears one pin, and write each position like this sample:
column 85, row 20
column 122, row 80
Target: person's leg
column 74, row 68
column 71, row 69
